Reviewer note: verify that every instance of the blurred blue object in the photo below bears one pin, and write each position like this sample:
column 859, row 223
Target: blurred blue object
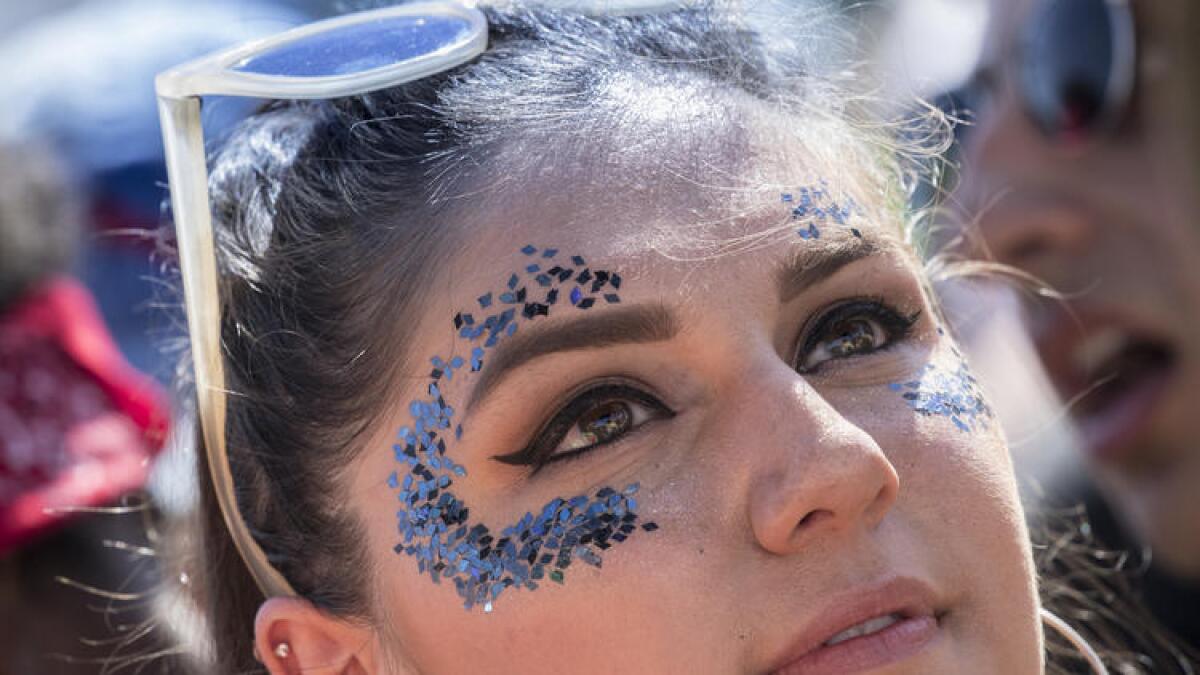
column 82, row 82
column 84, row 78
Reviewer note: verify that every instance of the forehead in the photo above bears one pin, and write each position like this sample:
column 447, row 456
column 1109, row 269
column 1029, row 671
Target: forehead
column 676, row 184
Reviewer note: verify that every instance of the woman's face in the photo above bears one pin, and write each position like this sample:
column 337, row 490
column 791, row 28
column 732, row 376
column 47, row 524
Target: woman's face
column 691, row 461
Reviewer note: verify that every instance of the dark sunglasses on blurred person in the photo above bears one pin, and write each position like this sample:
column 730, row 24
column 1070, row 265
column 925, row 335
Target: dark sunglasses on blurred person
column 1072, row 70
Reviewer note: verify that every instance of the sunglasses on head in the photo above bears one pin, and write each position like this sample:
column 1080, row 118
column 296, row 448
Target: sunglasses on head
column 1073, row 70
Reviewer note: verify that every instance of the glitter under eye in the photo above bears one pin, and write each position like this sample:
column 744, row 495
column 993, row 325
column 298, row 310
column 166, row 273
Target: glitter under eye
column 435, row 525
column 951, row 393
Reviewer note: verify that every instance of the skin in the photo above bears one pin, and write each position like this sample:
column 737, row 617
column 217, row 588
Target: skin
column 1113, row 223
column 776, row 493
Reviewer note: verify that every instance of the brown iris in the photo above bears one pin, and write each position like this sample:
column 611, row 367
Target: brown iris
column 604, row 423
column 854, row 337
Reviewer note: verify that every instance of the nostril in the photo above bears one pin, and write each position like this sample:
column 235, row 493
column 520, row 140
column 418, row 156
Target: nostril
column 813, row 517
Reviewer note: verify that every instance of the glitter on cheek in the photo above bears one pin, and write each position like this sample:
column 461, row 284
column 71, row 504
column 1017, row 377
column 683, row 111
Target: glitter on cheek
column 816, row 208
column 952, row 393
column 435, row 525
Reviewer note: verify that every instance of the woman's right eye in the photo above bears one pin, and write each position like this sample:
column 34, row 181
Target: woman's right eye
column 601, row 424
column 599, row 416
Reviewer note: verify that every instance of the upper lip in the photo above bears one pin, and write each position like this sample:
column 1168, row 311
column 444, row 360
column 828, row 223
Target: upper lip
column 1059, row 335
column 905, row 596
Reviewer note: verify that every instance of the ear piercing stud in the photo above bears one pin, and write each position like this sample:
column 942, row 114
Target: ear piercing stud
column 283, row 650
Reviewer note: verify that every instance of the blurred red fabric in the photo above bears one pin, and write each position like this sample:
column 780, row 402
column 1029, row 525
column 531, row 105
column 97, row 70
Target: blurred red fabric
column 78, row 425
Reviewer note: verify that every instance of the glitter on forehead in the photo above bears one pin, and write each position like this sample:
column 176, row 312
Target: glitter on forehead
column 815, row 207
column 435, row 525
column 943, row 392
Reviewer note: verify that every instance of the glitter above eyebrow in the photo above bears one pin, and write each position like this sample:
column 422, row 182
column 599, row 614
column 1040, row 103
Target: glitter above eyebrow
column 815, row 206
column 435, row 525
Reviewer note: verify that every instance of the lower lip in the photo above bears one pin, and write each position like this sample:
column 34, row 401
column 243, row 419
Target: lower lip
column 895, row 643
column 1110, row 434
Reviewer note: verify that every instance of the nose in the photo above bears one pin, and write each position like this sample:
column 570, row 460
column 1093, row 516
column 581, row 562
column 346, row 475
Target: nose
column 818, row 474
column 1015, row 189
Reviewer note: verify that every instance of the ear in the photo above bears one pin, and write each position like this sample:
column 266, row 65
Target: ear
column 317, row 643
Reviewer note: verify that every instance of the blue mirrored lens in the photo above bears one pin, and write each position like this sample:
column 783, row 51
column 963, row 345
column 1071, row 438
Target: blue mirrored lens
column 1068, row 64
column 359, row 47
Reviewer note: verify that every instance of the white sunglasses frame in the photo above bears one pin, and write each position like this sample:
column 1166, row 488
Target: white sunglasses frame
column 179, row 93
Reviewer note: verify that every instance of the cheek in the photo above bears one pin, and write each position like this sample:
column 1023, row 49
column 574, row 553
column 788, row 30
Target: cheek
column 957, row 485
column 602, row 620
column 958, row 497
column 953, row 457
column 963, row 483
column 956, row 475
column 958, row 493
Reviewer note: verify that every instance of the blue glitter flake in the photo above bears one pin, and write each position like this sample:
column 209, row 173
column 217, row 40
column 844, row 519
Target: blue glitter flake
column 947, row 393
column 816, row 208
column 434, row 524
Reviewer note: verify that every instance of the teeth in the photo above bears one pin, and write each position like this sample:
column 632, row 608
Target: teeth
column 1098, row 349
column 865, row 628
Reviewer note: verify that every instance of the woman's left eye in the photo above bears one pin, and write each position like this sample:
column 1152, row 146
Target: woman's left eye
column 850, row 329
column 599, row 416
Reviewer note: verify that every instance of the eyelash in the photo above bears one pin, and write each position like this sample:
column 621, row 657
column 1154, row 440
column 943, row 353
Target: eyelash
column 541, row 451
column 896, row 327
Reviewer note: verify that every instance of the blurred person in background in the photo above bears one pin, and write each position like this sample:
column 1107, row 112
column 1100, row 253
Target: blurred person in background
column 81, row 185
column 78, row 427
column 1082, row 168
column 93, row 103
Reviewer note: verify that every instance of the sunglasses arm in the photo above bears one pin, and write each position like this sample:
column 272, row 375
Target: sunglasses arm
column 187, row 173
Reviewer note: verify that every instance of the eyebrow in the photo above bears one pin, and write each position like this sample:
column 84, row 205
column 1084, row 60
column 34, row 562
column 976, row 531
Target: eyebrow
column 634, row 324
column 643, row 324
column 812, row 265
